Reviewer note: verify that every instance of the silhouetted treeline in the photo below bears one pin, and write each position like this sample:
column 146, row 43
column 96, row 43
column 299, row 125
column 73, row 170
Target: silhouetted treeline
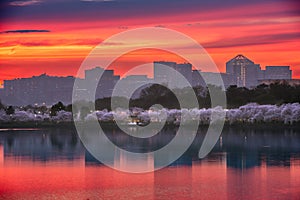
column 263, row 94
column 157, row 94
column 9, row 110
column 236, row 96
column 275, row 93
column 58, row 107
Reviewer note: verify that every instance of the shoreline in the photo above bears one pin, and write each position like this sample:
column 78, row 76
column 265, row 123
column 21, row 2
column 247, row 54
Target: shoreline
column 238, row 125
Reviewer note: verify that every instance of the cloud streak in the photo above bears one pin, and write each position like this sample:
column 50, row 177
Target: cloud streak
column 25, row 3
column 55, row 42
column 253, row 40
column 26, row 31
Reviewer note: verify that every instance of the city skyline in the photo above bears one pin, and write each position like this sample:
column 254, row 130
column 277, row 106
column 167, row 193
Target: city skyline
column 45, row 89
column 150, row 73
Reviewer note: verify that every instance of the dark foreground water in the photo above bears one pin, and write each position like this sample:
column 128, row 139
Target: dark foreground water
column 245, row 164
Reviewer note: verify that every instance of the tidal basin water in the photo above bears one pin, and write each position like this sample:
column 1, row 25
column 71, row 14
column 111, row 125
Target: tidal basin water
column 249, row 163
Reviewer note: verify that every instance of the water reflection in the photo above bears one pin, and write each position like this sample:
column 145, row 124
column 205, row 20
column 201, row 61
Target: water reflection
column 240, row 148
column 244, row 164
column 41, row 145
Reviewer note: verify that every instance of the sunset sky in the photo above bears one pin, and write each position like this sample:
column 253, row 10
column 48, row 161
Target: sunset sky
column 54, row 36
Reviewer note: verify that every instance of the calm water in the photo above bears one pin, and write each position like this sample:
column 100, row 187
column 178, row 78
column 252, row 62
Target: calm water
column 245, row 164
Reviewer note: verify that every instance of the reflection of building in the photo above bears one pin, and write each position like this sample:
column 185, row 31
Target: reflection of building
column 133, row 162
column 1, row 155
column 90, row 159
column 42, row 145
column 242, row 160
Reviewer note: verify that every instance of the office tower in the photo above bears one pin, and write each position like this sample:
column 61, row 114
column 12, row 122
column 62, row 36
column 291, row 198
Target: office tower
column 278, row 73
column 245, row 73
column 104, row 80
column 168, row 73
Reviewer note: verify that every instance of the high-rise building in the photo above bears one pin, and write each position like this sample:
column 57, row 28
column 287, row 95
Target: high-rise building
column 278, row 73
column 173, row 74
column 197, row 79
column 245, row 73
column 48, row 90
column 105, row 81
column 213, row 78
column 193, row 77
column 162, row 73
column 186, row 70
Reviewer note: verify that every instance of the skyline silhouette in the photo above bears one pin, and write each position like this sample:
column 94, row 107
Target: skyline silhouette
column 149, row 73
column 45, row 89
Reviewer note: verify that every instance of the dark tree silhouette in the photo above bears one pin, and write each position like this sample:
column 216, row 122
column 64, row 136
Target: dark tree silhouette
column 56, row 108
column 102, row 104
column 237, row 96
column 41, row 109
column 2, row 107
column 69, row 108
column 156, row 94
column 276, row 93
column 10, row 110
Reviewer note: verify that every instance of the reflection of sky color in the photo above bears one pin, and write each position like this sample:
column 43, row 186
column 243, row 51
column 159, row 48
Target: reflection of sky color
column 206, row 179
column 54, row 36
column 52, row 163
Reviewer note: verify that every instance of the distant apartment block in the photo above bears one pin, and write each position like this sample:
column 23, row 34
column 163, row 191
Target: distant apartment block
column 193, row 77
column 104, row 79
column 245, row 73
column 172, row 74
column 277, row 73
column 186, row 70
column 41, row 89
column 48, row 90
column 164, row 73
column 214, row 78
